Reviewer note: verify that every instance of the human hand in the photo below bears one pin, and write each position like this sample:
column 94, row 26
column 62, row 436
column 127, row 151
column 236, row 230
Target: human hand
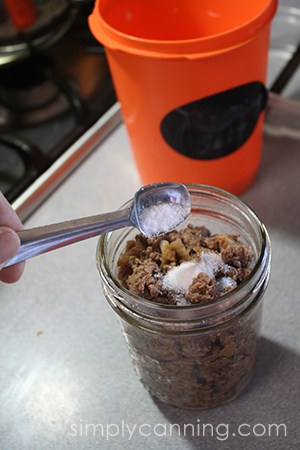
column 9, row 241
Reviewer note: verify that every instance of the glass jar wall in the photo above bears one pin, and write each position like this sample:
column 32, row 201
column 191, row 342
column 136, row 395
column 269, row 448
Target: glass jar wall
column 195, row 356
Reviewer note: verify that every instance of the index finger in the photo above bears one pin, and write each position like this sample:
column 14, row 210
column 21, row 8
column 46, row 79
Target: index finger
column 8, row 217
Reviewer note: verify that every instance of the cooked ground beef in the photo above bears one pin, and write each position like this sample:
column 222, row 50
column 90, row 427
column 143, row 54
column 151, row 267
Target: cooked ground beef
column 145, row 262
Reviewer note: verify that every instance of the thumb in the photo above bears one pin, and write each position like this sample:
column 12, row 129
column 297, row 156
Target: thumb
column 9, row 245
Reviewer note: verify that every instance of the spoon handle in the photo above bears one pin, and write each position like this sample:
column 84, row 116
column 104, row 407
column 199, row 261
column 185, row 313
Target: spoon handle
column 36, row 241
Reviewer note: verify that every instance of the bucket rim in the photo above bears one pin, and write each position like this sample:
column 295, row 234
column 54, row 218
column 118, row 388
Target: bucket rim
column 114, row 39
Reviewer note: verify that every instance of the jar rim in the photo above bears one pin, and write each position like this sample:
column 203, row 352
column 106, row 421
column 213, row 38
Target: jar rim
column 229, row 300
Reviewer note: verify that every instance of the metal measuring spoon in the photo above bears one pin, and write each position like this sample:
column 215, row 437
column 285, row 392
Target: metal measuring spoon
column 149, row 205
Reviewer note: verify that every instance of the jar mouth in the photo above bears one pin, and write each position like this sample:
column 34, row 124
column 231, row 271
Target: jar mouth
column 252, row 284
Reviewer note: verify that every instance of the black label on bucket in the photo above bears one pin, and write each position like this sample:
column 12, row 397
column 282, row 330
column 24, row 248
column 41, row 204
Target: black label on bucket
column 215, row 126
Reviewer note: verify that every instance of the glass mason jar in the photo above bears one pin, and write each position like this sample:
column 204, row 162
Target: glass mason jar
column 195, row 356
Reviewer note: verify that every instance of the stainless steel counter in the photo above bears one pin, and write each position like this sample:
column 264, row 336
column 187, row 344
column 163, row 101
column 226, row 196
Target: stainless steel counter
column 66, row 379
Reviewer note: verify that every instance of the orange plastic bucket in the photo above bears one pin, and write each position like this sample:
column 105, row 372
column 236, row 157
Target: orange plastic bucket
column 190, row 77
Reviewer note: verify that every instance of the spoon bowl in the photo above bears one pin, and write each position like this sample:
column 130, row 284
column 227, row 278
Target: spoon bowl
column 158, row 208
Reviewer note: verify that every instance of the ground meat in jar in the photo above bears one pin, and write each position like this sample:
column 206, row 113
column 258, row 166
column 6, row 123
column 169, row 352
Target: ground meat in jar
column 204, row 368
column 184, row 266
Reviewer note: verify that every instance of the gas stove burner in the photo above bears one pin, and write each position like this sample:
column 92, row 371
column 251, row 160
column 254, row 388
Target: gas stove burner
column 56, row 105
column 30, row 93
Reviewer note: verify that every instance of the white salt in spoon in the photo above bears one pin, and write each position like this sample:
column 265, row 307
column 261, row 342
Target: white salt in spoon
column 155, row 209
